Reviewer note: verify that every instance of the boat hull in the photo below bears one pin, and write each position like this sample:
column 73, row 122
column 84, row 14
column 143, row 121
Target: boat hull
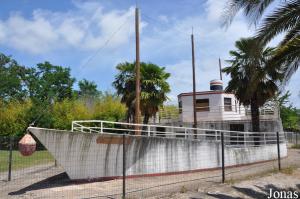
column 88, row 156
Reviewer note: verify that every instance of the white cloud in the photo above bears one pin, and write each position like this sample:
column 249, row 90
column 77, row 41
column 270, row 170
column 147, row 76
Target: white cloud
column 214, row 9
column 87, row 27
column 211, row 42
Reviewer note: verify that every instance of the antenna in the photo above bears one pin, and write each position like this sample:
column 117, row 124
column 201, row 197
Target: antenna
column 220, row 68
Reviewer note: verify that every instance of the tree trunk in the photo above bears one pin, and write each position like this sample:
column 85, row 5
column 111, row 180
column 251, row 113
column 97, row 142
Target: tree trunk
column 146, row 118
column 255, row 119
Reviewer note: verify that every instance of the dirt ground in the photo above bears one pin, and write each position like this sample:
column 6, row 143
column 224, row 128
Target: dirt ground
column 252, row 181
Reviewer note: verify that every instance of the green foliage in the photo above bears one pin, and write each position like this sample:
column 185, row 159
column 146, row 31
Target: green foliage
column 13, row 117
column 154, row 88
column 275, row 20
column 88, row 89
column 44, row 97
column 109, row 108
column 66, row 111
column 47, row 83
column 12, row 79
column 290, row 116
column 169, row 111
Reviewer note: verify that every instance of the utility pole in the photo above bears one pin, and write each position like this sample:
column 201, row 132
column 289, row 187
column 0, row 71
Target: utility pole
column 220, row 68
column 194, row 86
column 137, row 73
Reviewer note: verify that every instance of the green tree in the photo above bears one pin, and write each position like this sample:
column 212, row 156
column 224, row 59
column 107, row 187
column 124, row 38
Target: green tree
column 47, row 83
column 288, row 113
column 13, row 117
column 282, row 17
column 110, row 108
column 154, row 88
column 12, row 79
column 64, row 112
column 252, row 80
column 88, row 89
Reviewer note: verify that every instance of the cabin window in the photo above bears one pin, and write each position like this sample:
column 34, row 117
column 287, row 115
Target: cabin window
column 180, row 106
column 202, row 105
column 227, row 104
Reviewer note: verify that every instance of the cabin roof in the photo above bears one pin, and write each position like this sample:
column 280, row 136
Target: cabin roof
column 203, row 93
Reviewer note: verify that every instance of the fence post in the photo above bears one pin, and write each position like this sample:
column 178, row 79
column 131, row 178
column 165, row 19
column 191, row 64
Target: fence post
column 296, row 138
column 223, row 159
column 11, row 139
column 124, row 168
column 278, row 150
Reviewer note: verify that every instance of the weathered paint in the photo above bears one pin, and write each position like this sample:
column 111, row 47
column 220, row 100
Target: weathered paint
column 83, row 158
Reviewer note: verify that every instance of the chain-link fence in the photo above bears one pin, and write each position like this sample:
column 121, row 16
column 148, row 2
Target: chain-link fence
column 109, row 165
column 293, row 138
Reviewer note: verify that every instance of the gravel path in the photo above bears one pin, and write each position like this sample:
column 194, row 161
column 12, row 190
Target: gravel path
column 48, row 181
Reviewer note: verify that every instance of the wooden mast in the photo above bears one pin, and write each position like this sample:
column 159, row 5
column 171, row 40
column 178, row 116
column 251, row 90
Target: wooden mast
column 137, row 73
column 194, row 86
column 220, row 68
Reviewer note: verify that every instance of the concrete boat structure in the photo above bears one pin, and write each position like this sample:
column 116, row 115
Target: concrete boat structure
column 94, row 149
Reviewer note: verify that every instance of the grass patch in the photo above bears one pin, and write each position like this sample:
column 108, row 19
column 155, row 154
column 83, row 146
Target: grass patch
column 21, row 162
column 296, row 146
column 289, row 170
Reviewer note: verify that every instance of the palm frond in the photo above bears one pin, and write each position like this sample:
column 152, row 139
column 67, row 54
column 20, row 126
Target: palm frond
column 282, row 19
column 253, row 9
column 293, row 33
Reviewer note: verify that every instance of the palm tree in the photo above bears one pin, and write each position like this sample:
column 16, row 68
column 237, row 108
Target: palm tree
column 283, row 17
column 253, row 81
column 88, row 89
column 154, row 88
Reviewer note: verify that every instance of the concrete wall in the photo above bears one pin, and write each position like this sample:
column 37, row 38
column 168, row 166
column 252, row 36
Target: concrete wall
column 88, row 156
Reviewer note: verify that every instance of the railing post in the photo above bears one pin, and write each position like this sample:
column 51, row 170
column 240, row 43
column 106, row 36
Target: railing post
column 296, row 138
column 72, row 126
column 265, row 139
column 101, row 127
column 11, row 139
column 216, row 136
column 124, row 168
column 223, row 158
column 278, row 150
column 185, row 133
column 148, row 131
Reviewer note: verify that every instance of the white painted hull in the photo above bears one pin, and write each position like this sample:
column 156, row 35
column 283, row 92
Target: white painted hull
column 95, row 156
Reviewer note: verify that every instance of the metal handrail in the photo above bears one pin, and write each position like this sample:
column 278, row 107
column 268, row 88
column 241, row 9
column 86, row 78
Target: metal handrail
column 151, row 130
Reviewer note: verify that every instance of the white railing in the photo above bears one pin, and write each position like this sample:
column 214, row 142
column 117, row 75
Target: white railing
column 226, row 112
column 232, row 138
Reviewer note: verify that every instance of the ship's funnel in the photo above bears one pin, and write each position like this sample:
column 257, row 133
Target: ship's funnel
column 216, row 85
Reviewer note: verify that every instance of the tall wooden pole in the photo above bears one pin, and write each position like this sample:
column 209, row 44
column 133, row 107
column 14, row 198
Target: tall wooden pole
column 194, row 86
column 220, row 68
column 137, row 72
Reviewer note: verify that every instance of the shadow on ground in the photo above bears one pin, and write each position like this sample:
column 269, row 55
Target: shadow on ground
column 261, row 193
column 58, row 180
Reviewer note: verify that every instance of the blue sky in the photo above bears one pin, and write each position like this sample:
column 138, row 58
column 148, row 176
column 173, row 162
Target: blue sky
column 92, row 37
